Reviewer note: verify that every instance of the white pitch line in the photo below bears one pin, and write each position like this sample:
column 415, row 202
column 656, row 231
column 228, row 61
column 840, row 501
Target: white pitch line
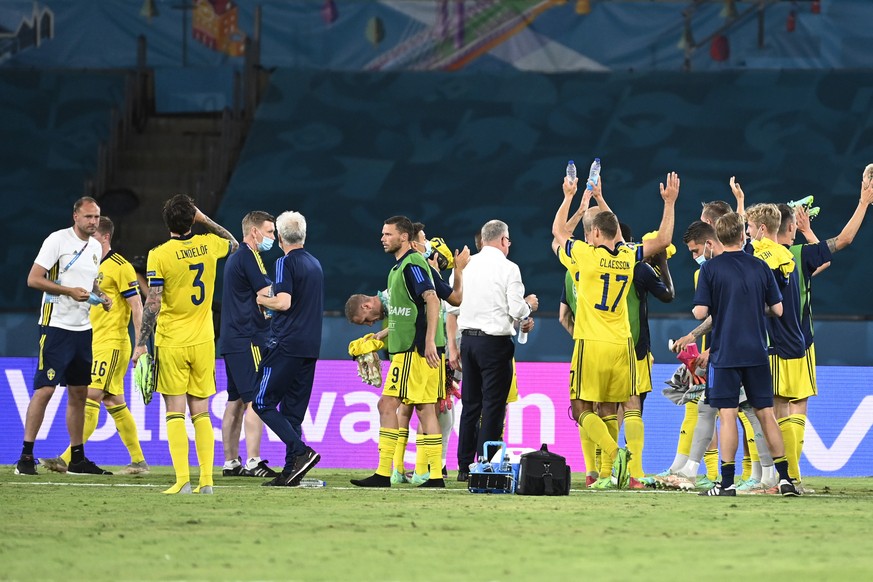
column 64, row 484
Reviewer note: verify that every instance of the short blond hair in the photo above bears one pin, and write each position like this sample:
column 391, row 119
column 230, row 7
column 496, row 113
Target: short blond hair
column 765, row 214
column 868, row 173
column 730, row 229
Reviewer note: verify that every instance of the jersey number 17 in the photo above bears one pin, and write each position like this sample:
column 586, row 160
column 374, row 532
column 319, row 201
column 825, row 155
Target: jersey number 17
column 603, row 305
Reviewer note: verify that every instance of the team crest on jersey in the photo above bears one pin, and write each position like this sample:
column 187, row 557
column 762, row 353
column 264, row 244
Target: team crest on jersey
column 94, row 258
column 100, row 277
column 50, row 373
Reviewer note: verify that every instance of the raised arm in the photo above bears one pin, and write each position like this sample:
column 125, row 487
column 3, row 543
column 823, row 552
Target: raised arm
column 849, row 231
column 597, row 192
column 669, row 194
column 216, row 228
column 576, row 218
column 739, row 195
column 663, row 272
column 559, row 224
column 461, row 259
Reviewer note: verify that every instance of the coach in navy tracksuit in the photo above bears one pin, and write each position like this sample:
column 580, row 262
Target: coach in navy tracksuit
column 288, row 371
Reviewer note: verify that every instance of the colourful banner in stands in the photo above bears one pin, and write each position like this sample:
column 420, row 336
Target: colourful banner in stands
column 343, row 422
column 494, row 35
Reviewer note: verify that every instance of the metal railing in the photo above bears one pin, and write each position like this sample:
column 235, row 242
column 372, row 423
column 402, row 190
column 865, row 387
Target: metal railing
column 135, row 108
column 235, row 123
column 138, row 104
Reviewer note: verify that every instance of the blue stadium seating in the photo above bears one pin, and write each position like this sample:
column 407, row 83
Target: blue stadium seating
column 452, row 151
column 52, row 124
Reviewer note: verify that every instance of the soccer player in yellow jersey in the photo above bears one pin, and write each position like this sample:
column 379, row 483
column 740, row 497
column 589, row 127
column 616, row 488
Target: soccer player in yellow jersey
column 181, row 275
column 604, row 367
column 110, row 345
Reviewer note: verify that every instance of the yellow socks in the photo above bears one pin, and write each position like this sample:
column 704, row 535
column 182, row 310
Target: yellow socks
column 797, row 424
column 634, row 432
column 400, row 450
column 126, row 428
column 599, row 433
column 686, row 431
column 429, row 456
column 588, row 451
column 177, row 439
column 710, row 458
column 387, row 446
column 204, row 442
column 790, row 440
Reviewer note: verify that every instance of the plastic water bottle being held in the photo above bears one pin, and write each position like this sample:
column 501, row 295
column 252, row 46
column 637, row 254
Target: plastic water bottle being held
column 571, row 171
column 593, row 173
column 522, row 335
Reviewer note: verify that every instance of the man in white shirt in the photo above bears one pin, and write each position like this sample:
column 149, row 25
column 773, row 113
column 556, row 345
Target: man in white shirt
column 66, row 271
column 493, row 301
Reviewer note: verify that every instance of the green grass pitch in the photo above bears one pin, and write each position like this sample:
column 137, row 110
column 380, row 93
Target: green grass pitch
column 59, row 527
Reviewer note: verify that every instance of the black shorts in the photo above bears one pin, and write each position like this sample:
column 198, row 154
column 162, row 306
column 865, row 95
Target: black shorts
column 64, row 358
column 242, row 374
column 723, row 386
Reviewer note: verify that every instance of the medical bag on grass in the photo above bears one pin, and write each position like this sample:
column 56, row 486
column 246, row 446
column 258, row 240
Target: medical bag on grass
column 543, row 473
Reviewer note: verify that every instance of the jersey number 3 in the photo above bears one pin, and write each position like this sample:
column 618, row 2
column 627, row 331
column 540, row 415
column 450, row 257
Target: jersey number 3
column 603, row 305
column 199, row 287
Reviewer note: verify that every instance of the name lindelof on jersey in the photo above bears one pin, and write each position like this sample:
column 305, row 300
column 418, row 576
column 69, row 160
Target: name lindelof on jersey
column 199, row 251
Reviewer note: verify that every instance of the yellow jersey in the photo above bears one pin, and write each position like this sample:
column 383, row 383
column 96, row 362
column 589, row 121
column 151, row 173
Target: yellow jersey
column 605, row 279
column 185, row 267
column 117, row 280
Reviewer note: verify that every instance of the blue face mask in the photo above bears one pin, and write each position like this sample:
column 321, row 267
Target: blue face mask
column 428, row 249
column 265, row 245
column 702, row 258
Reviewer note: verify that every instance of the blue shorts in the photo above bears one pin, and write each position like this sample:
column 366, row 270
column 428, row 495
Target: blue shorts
column 723, row 386
column 64, row 358
column 242, row 374
column 285, row 380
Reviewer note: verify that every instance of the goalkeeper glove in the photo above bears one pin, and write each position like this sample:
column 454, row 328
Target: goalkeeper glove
column 370, row 368
column 144, row 377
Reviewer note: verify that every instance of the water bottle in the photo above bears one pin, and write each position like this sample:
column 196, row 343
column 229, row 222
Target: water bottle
column 267, row 312
column 594, row 173
column 522, row 335
column 571, row 171
column 311, row 483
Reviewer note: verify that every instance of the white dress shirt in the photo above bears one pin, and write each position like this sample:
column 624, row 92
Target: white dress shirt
column 493, row 294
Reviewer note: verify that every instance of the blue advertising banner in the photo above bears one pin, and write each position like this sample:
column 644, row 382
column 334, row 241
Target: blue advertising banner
column 342, row 422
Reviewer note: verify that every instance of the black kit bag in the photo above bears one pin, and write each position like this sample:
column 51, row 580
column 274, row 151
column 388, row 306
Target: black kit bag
column 543, row 473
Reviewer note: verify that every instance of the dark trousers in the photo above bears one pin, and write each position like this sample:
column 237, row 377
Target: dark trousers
column 487, row 369
column 286, row 382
